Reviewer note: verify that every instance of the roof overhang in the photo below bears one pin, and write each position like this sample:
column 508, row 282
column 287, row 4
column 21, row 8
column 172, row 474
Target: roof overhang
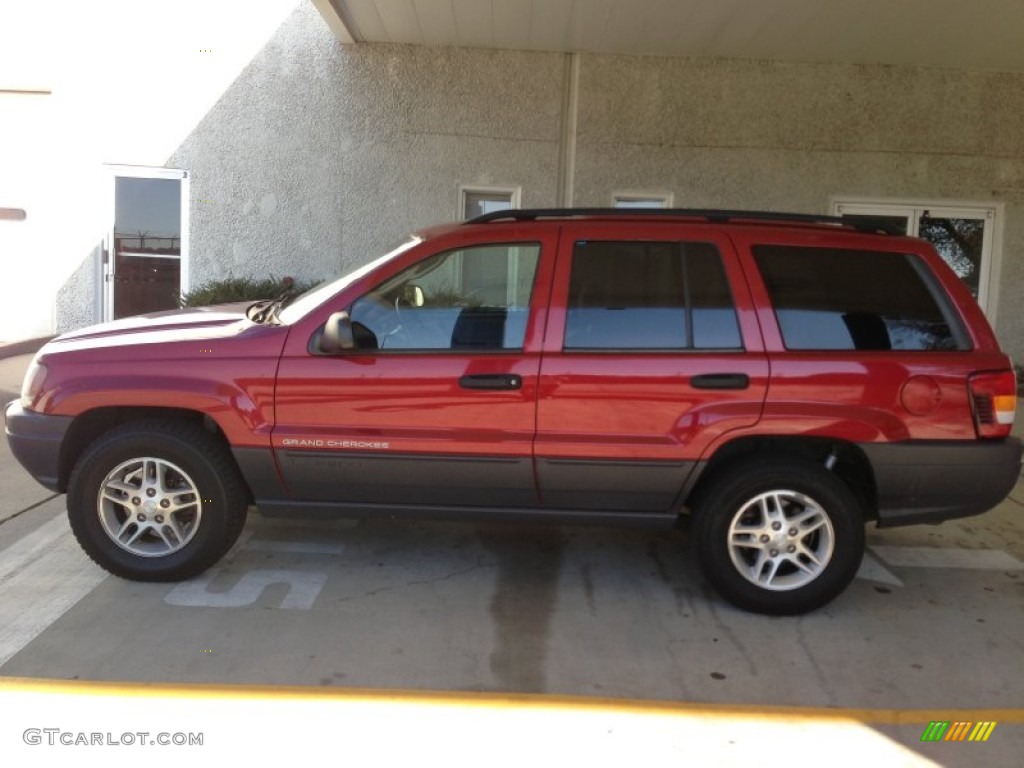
column 982, row 35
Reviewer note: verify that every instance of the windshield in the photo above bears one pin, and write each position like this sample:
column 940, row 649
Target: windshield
column 314, row 297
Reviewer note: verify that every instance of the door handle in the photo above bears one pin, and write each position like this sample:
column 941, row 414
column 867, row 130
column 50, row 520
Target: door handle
column 491, row 381
column 720, row 381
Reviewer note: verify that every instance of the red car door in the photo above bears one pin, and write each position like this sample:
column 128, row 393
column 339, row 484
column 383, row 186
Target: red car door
column 436, row 406
column 652, row 352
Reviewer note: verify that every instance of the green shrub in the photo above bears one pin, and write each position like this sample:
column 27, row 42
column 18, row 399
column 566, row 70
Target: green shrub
column 234, row 289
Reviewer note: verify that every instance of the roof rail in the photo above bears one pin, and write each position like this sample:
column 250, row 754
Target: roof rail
column 708, row 214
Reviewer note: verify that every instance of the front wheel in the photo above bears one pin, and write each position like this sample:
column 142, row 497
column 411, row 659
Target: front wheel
column 156, row 501
column 778, row 536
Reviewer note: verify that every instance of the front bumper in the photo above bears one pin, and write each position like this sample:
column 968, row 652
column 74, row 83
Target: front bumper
column 932, row 481
column 35, row 440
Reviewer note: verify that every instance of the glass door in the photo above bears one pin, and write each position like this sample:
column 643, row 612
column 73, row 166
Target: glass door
column 964, row 239
column 146, row 252
column 963, row 236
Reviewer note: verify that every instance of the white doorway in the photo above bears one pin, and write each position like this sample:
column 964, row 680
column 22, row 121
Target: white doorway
column 145, row 256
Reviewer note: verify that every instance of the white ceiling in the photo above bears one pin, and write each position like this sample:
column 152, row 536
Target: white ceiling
column 982, row 34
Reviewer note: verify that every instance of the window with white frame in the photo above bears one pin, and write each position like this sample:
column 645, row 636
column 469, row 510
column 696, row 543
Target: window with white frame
column 476, row 201
column 146, row 258
column 637, row 199
column 964, row 235
column 500, row 260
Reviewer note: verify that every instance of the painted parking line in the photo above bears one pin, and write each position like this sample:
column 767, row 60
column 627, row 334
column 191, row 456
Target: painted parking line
column 42, row 575
column 303, row 588
column 296, row 547
column 872, row 570
column 930, row 557
column 31, row 547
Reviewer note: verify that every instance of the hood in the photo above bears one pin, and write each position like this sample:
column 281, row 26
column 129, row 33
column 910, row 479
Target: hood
column 191, row 319
column 180, row 325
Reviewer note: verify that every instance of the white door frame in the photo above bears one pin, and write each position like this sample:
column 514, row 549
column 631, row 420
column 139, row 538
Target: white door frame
column 991, row 249
column 107, row 268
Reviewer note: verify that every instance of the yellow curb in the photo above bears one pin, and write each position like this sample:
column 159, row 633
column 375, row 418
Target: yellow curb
column 503, row 700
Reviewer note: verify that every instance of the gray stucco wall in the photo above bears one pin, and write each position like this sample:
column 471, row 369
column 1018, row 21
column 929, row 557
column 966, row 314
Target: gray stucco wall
column 782, row 136
column 320, row 156
column 78, row 300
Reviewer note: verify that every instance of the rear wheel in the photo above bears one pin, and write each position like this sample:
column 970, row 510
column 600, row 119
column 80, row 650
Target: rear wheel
column 778, row 536
column 156, row 501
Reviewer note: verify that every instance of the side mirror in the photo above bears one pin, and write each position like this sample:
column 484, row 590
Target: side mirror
column 337, row 334
column 413, row 295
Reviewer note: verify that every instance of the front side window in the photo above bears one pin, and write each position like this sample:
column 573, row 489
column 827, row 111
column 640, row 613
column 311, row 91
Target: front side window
column 649, row 296
column 835, row 299
column 470, row 299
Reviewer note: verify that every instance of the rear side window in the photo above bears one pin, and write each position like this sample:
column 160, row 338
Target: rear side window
column 834, row 299
column 649, row 296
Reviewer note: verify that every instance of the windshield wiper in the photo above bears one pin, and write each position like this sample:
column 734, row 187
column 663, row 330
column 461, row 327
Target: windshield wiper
column 266, row 310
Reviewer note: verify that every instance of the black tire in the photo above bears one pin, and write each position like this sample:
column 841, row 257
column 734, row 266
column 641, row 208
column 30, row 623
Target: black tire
column 198, row 477
column 790, row 568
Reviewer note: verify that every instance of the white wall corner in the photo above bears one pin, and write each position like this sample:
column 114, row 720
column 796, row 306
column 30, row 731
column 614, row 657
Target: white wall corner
column 339, row 20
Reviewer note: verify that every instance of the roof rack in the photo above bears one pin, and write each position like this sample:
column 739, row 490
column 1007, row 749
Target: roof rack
column 708, row 214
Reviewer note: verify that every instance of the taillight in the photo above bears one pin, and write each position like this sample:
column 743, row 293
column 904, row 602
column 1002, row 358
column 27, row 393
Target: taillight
column 995, row 402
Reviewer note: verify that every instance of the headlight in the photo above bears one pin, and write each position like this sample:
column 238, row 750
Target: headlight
column 33, row 384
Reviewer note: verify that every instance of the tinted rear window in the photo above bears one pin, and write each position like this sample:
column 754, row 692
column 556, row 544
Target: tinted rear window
column 832, row 299
column 649, row 296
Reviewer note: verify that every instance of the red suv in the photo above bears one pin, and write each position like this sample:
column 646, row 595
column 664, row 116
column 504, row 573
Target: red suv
column 780, row 379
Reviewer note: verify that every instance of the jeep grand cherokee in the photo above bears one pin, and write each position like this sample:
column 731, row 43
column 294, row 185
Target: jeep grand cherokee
column 780, row 379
